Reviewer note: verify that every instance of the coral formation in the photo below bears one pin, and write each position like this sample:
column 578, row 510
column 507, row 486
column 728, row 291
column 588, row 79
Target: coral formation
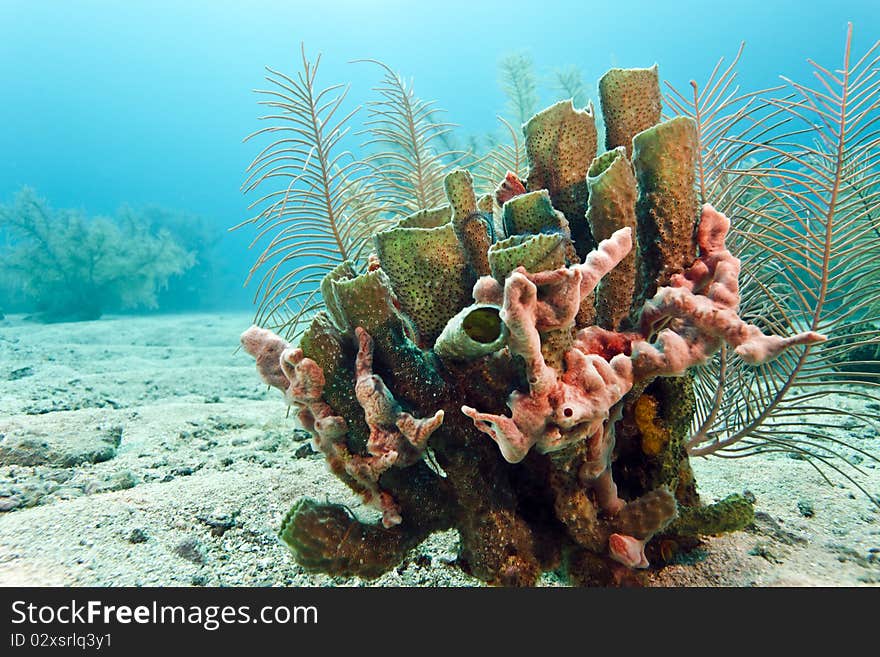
column 471, row 378
column 558, row 410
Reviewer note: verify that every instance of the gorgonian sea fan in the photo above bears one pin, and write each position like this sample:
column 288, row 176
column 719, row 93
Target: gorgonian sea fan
column 331, row 203
column 796, row 167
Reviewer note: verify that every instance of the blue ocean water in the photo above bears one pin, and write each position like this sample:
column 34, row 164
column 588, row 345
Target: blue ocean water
column 107, row 103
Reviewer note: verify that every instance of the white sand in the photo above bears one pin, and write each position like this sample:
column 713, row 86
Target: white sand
column 206, row 466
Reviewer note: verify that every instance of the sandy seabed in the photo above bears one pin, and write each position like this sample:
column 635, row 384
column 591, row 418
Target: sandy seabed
column 144, row 451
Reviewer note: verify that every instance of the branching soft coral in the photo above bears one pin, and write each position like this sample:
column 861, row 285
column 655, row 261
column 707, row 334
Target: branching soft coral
column 74, row 267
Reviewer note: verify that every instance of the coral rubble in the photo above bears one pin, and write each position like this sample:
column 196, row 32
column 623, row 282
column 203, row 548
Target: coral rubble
column 524, row 378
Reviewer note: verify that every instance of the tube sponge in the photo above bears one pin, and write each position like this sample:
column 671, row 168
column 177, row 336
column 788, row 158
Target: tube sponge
column 532, row 252
column 560, row 144
column 664, row 158
column 470, row 225
column 367, row 300
column 553, row 391
column 343, row 271
column 637, row 523
column 430, row 218
column 429, row 271
column 733, row 513
column 474, row 332
column 328, row 538
column 630, row 102
column 612, row 206
column 532, row 212
column 645, row 516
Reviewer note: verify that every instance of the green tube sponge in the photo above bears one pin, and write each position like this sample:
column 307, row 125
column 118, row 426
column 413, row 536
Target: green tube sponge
column 612, row 205
column 733, row 513
column 430, row 218
column 667, row 208
column 459, row 186
column 645, row 516
column 368, row 300
column 486, row 203
column 631, row 102
column 471, row 226
column 341, row 272
column 534, row 252
column 429, row 271
column 327, row 538
column 560, row 144
column 532, row 213
column 474, row 332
